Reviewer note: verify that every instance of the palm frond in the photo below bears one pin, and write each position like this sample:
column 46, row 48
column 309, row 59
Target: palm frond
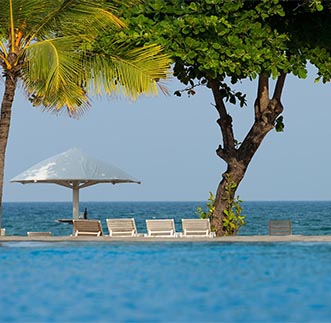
column 76, row 17
column 53, row 78
column 42, row 19
column 133, row 73
column 54, row 59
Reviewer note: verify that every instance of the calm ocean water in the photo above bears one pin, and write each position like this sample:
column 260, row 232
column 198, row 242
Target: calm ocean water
column 308, row 218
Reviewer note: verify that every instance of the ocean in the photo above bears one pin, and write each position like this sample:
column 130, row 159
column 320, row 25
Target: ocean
column 308, row 217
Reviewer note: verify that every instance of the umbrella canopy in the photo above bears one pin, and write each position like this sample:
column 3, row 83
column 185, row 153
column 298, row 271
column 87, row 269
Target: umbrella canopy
column 75, row 170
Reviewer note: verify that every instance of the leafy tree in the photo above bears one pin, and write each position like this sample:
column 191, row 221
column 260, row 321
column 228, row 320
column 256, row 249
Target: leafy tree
column 219, row 43
column 48, row 47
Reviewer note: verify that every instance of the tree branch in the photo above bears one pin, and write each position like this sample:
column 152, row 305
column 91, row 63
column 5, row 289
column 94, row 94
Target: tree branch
column 279, row 86
column 262, row 99
column 225, row 123
column 266, row 112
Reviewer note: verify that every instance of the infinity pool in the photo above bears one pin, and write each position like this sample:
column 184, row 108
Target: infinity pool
column 165, row 282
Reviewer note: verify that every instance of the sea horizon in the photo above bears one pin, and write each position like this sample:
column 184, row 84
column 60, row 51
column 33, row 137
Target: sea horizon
column 307, row 217
column 157, row 201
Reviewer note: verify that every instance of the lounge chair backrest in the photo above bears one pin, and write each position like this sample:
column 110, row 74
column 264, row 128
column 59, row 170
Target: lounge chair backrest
column 280, row 227
column 87, row 228
column 196, row 227
column 121, row 227
column 39, row 234
column 161, row 227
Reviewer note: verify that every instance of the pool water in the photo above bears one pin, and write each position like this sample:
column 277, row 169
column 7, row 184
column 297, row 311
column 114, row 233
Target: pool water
column 165, row 282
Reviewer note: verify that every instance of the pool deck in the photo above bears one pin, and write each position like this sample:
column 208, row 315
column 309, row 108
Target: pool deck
column 252, row 239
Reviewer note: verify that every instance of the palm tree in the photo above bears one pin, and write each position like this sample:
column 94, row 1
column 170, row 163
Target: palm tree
column 46, row 49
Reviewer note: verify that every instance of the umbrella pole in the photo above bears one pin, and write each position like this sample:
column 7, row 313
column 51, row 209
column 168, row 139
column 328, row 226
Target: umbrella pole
column 75, row 201
column 2, row 231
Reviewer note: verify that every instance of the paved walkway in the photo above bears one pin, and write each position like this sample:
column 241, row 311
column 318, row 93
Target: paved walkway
column 252, row 239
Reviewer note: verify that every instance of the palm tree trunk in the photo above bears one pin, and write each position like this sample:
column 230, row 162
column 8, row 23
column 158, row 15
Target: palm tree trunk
column 6, row 108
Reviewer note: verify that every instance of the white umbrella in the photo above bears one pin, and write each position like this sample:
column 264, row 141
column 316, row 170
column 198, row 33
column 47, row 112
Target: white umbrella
column 75, row 170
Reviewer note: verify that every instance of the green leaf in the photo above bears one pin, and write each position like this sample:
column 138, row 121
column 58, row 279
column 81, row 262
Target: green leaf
column 279, row 124
column 302, row 73
column 232, row 99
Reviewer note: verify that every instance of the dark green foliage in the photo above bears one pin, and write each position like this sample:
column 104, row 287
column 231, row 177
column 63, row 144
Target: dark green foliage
column 233, row 40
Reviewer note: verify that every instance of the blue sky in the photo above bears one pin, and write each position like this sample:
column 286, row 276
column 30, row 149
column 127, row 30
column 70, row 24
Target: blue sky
column 169, row 144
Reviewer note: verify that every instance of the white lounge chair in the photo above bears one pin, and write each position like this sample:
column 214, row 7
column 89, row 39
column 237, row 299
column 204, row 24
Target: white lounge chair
column 87, row 228
column 280, row 227
column 161, row 228
column 121, row 227
column 196, row 228
column 2, row 231
column 39, row 233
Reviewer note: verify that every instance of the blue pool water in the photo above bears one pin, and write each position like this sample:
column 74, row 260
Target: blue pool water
column 165, row 282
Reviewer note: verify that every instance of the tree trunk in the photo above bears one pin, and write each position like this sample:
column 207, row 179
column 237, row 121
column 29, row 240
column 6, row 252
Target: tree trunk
column 235, row 173
column 6, row 107
column 238, row 157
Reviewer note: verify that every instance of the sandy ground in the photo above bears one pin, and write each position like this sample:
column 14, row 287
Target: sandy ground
column 252, row 239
